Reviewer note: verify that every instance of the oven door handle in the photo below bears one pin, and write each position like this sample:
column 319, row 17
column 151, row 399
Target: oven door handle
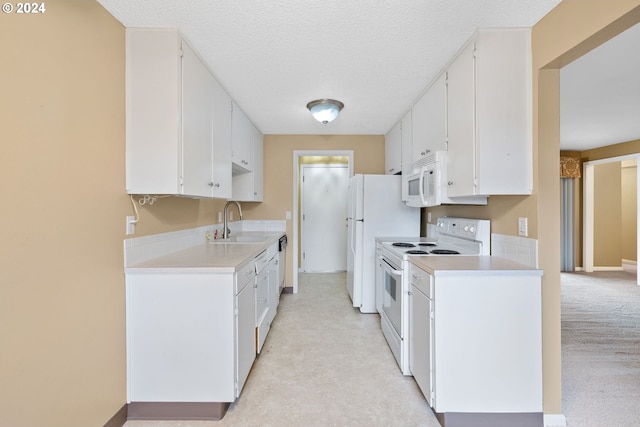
column 392, row 269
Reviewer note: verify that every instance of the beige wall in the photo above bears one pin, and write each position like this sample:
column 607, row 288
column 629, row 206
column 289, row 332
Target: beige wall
column 61, row 284
column 62, row 355
column 573, row 28
column 607, row 198
column 629, row 220
column 368, row 157
column 628, row 199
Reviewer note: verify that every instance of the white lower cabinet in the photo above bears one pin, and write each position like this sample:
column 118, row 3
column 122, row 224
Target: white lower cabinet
column 476, row 339
column 421, row 331
column 267, row 293
column 190, row 336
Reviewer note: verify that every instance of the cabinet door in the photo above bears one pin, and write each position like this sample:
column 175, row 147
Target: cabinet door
column 436, row 112
column 262, row 308
column 392, row 150
column 221, row 177
column 245, row 334
column 419, row 116
column 153, row 124
column 420, row 341
column 258, row 165
column 274, row 288
column 461, row 171
column 242, row 140
column 197, row 125
column 407, row 139
column 429, row 120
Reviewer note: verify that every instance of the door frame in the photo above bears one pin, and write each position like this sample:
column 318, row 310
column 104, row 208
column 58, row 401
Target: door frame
column 296, row 198
column 589, row 205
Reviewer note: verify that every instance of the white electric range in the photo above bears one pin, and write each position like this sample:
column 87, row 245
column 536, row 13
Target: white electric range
column 449, row 237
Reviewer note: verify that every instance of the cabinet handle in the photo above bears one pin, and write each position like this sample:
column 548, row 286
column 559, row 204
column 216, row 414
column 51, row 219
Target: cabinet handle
column 392, row 169
column 450, row 183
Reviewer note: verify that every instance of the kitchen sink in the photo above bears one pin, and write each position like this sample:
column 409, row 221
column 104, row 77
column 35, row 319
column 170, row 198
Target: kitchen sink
column 243, row 239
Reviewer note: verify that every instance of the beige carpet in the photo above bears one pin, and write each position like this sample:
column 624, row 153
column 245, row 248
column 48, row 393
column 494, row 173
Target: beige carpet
column 601, row 349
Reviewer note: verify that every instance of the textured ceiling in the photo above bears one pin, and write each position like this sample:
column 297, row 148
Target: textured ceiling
column 376, row 56
column 600, row 95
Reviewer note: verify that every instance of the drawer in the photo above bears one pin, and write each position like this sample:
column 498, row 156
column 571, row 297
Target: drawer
column 245, row 276
column 421, row 280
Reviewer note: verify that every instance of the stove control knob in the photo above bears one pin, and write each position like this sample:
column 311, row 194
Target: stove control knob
column 472, row 229
column 466, row 228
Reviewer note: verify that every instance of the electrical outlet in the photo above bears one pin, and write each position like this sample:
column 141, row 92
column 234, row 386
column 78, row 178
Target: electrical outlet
column 522, row 227
column 131, row 225
column 428, row 216
column 219, row 217
column 230, row 215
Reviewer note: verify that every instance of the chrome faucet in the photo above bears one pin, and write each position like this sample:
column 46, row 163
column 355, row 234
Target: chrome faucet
column 225, row 228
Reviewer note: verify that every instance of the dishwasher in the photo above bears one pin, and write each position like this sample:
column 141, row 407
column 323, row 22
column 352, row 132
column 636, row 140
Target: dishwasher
column 282, row 259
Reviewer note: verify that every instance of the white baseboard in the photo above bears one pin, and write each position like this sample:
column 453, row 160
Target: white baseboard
column 555, row 420
column 630, row 266
column 609, row 268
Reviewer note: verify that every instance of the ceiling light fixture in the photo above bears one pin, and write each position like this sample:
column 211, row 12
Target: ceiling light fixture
column 325, row 110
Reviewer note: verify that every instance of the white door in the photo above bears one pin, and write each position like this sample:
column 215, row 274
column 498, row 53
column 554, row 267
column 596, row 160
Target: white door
column 324, row 209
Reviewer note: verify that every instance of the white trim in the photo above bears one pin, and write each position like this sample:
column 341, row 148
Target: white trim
column 607, row 268
column 296, row 166
column 588, row 222
column 630, row 266
column 555, row 420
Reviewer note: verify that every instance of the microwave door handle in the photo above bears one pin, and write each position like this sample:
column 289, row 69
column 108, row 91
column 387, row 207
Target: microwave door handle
column 422, row 195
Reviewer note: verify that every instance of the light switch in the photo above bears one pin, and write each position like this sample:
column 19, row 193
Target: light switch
column 287, row 215
column 522, row 227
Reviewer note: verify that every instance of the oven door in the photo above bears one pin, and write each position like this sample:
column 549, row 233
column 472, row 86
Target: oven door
column 392, row 293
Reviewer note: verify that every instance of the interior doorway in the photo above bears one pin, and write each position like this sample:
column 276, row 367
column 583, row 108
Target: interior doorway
column 323, row 194
column 589, row 209
column 305, row 157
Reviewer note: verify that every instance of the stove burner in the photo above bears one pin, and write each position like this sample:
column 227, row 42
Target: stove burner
column 404, row 245
column 426, row 244
column 417, row 252
column 444, row 252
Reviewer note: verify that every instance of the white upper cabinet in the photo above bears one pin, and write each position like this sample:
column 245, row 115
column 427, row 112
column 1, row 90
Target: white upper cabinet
column 489, row 118
column 175, row 141
column 248, row 186
column 397, row 146
column 242, row 141
column 407, row 138
column 221, row 142
column 393, row 150
column 429, row 120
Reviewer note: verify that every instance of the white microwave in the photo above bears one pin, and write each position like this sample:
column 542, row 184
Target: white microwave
column 424, row 183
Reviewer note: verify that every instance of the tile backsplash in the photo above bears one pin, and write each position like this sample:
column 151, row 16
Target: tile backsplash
column 515, row 248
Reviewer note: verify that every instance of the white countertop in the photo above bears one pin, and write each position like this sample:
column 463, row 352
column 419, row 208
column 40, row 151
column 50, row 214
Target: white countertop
column 464, row 264
column 211, row 257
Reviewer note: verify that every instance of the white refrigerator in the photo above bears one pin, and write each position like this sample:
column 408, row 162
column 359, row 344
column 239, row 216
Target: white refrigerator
column 375, row 209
